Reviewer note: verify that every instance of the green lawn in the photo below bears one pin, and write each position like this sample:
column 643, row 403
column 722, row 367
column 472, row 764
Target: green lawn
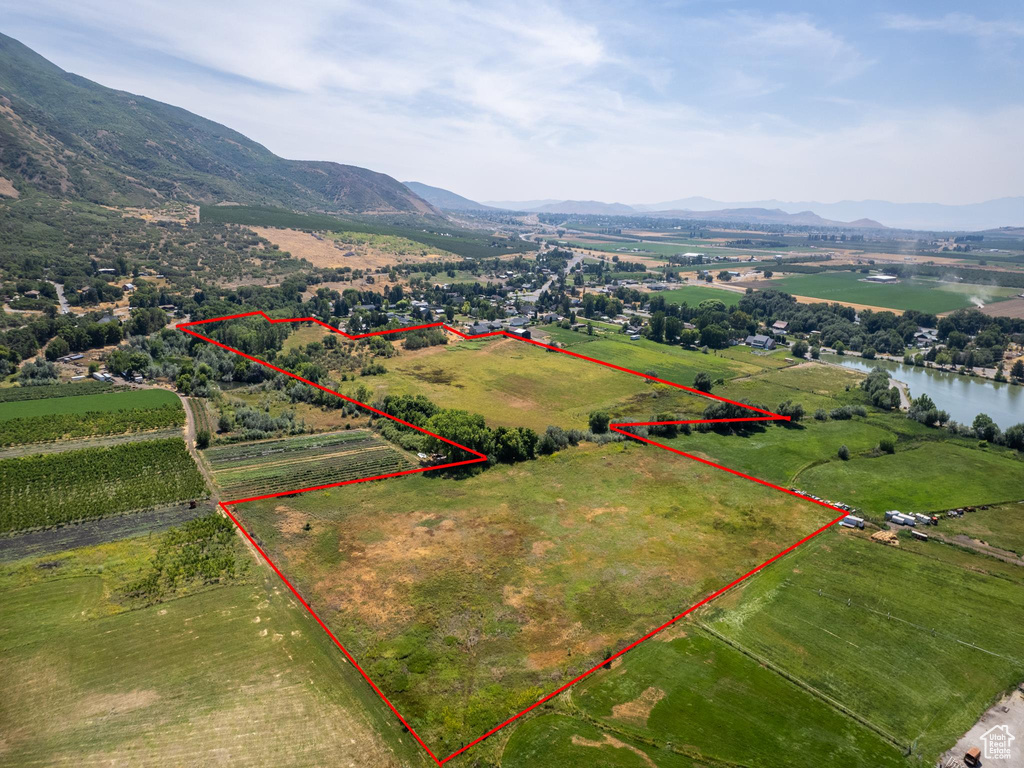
column 917, row 642
column 107, row 401
column 232, row 676
column 909, row 293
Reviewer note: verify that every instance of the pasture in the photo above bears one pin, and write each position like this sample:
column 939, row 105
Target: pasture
column 692, row 693
column 919, row 653
column 490, row 589
column 235, row 675
column 512, row 383
column 921, row 294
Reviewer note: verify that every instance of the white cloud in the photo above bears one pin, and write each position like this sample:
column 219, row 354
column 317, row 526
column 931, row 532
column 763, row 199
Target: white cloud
column 498, row 101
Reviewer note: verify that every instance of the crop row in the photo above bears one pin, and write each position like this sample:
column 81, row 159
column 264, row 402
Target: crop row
column 259, row 479
column 43, row 392
column 57, row 426
column 246, row 452
column 51, row 489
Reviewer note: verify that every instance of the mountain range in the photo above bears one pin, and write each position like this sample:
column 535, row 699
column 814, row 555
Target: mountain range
column 68, row 136
column 1006, row 211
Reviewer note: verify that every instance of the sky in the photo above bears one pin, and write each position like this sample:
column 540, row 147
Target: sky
column 635, row 102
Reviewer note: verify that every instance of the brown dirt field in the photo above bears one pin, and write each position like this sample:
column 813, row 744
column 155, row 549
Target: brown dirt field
column 1009, row 308
column 324, row 253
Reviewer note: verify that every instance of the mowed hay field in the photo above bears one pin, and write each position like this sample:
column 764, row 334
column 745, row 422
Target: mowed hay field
column 908, row 293
column 232, row 676
column 467, row 599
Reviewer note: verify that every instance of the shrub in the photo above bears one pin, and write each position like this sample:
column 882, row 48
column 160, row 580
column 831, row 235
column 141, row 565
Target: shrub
column 887, row 446
column 844, row 453
column 599, row 422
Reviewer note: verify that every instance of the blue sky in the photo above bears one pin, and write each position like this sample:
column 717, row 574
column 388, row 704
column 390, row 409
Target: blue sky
column 628, row 101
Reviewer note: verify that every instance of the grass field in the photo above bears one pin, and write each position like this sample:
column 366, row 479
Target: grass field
column 516, row 384
column 1001, row 526
column 695, row 294
column 488, row 590
column 927, row 476
column 708, row 700
column 919, row 653
column 108, row 401
column 232, row 676
column 909, row 293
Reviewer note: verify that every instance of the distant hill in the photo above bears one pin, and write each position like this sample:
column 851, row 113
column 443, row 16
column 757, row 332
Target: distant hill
column 71, row 137
column 585, row 207
column 1005, row 211
column 767, row 216
column 445, row 200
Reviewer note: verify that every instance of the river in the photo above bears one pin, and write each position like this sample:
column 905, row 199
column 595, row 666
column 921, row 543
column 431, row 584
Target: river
column 963, row 397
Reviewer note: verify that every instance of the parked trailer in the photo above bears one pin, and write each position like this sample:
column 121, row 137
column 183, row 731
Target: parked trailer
column 851, row 521
column 919, row 535
column 923, row 519
column 901, row 519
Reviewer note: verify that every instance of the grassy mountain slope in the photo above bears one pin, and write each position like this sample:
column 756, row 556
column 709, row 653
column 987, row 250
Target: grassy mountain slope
column 70, row 136
column 444, row 199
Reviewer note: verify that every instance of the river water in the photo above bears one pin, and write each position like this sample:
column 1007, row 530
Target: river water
column 963, row 397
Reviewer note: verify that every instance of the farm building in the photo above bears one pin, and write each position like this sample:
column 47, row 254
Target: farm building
column 780, row 326
column 760, row 341
column 522, row 333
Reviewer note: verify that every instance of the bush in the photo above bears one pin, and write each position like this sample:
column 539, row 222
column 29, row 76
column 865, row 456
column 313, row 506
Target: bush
column 887, row 446
column 702, row 382
column 599, row 421
column 203, row 439
column 844, row 453
column 799, row 349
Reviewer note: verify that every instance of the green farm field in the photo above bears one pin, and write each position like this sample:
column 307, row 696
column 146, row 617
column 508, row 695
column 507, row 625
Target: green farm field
column 55, row 488
column 913, row 293
column 233, row 675
column 919, row 654
column 695, row 294
column 107, row 401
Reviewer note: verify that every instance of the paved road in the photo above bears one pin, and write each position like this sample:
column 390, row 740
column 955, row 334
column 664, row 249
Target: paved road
column 65, row 308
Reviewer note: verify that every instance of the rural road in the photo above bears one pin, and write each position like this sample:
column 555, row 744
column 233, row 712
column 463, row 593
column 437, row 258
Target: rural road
column 65, row 308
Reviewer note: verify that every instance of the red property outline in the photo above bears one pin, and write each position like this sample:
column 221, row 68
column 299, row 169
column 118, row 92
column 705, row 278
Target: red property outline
column 618, row 427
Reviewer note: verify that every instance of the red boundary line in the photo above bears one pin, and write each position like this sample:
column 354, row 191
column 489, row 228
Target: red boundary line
column 618, row 427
